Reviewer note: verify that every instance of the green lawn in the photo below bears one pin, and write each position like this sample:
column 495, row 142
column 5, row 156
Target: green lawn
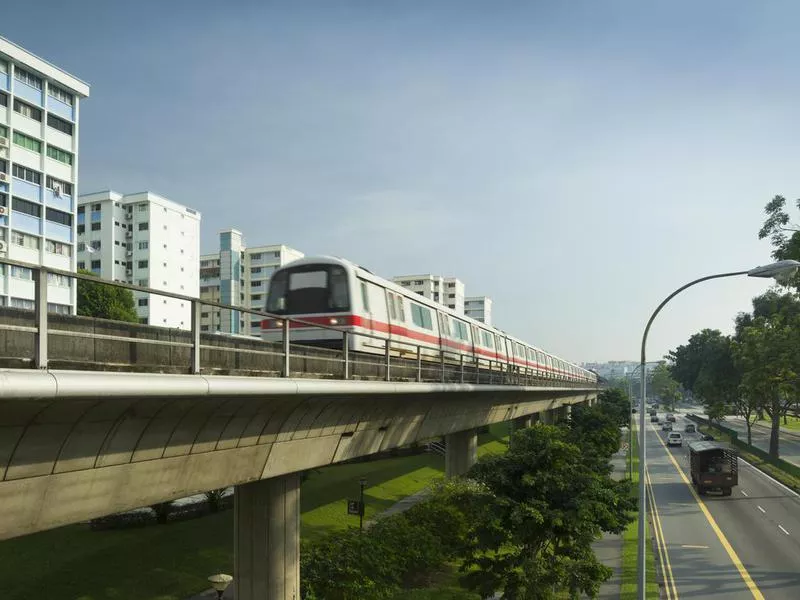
column 171, row 562
column 792, row 423
column 630, row 542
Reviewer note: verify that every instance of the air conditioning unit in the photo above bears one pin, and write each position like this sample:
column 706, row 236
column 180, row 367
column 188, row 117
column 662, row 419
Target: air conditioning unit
column 3, row 142
column 4, row 177
column 128, row 234
column 129, row 272
column 3, row 210
column 129, row 253
column 57, row 191
column 128, row 216
column 3, row 246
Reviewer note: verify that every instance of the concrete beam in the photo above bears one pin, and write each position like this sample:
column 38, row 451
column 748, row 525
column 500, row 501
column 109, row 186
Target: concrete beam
column 267, row 539
column 461, row 452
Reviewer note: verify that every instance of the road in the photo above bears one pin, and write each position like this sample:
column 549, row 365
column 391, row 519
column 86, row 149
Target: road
column 757, row 527
column 789, row 447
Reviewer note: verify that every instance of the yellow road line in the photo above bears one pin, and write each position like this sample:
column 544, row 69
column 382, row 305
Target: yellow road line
column 748, row 580
column 669, row 578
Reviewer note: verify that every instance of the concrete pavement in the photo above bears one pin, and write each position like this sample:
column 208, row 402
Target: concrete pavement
column 609, row 549
column 759, row 525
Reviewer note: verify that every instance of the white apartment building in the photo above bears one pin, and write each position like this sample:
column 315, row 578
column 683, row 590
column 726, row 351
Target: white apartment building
column 479, row 308
column 38, row 175
column 146, row 240
column 238, row 276
column 444, row 290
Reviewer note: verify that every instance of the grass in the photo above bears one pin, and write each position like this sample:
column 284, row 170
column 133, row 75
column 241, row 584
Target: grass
column 630, row 543
column 171, row 562
column 792, row 423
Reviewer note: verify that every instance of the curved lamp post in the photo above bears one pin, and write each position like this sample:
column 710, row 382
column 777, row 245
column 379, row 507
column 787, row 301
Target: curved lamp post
column 778, row 270
column 220, row 583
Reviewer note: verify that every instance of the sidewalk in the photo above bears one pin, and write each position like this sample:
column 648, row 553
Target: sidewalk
column 609, row 549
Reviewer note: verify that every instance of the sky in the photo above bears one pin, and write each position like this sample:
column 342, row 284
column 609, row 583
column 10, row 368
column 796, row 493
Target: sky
column 575, row 161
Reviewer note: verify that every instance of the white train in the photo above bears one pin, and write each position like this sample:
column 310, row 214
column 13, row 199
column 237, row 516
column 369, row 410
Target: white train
column 345, row 297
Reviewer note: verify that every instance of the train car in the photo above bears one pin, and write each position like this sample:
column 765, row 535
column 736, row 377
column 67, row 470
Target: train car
column 329, row 296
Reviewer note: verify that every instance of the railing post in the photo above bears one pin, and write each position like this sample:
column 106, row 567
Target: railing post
column 388, row 360
column 195, row 366
column 346, row 350
column 286, row 364
column 40, row 308
column 461, row 356
column 419, row 363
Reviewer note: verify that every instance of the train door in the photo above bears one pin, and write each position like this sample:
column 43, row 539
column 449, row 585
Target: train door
column 366, row 315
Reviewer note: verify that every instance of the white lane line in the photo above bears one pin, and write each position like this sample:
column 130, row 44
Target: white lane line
column 772, row 479
column 693, row 546
column 782, row 529
column 761, row 509
column 744, row 494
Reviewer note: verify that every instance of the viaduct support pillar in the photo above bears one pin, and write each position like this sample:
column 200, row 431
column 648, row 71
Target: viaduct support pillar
column 266, row 542
column 548, row 417
column 521, row 423
column 461, row 452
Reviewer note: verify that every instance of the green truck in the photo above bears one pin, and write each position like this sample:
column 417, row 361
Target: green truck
column 714, row 467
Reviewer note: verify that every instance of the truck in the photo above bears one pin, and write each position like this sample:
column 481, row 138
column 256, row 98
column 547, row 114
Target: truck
column 714, row 467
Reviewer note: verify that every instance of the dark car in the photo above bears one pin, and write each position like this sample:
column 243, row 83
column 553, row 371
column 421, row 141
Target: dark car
column 707, row 437
column 667, row 426
column 690, row 428
column 654, row 418
column 671, row 418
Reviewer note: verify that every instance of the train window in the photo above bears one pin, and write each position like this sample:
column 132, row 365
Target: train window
column 364, row 296
column 390, row 302
column 461, row 331
column 488, row 340
column 309, row 289
column 400, row 312
column 421, row 316
column 444, row 325
column 339, row 296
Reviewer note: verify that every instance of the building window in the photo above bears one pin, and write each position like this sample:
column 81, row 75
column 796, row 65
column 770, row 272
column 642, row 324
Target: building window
column 255, row 284
column 26, row 174
column 27, row 142
column 21, row 273
column 97, row 206
column 26, row 241
column 27, row 78
column 3, row 66
column 59, row 124
column 58, row 248
column 255, row 270
column 3, row 101
column 142, row 207
column 81, row 265
column 143, row 245
column 26, row 207
column 142, row 283
column 21, row 303
column 116, row 224
column 144, row 226
column 81, row 229
column 95, row 264
column 61, row 187
column 143, row 264
column 56, row 216
column 142, row 301
column 26, row 110
column 59, row 94
column 203, row 327
column 59, row 155
column 256, row 256
column 96, row 226
column 59, row 309
column 94, row 245
column 255, row 297
column 58, row 280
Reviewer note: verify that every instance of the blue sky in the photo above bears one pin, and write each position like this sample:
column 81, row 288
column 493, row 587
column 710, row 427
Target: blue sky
column 574, row 161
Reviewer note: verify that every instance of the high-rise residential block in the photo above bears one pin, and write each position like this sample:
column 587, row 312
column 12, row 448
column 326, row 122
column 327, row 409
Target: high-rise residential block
column 38, row 175
column 238, row 275
column 444, row 290
column 145, row 240
column 479, row 308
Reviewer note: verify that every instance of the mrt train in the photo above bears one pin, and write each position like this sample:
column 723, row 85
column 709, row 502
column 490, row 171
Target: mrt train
column 342, row 296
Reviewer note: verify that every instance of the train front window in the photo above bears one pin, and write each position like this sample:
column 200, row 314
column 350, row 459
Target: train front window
column 309, row 289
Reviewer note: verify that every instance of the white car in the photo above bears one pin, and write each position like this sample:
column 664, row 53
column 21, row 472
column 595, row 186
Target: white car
column 674, row 439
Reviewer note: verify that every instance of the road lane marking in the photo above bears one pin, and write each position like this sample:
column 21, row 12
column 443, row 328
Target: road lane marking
column 766, row 476
column 661, row 542
column 694, row 546
column 744, row 494
column 748, row 580
column 761, row 509
column 782, row 529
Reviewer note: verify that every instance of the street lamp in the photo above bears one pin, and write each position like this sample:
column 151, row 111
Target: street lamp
column 220, row 583
column 781, row 271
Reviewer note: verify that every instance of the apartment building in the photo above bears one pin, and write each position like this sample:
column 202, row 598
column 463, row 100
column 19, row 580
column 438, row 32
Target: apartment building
column 38, row 175
column 444, row 290
column 239, row 276
column 147, row 240
column 479, row 308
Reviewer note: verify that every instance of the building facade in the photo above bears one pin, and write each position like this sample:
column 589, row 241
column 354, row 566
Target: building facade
column 38, row 175
column 145, row 240
column 444, row 290
column 479, row 308
column 238, row 276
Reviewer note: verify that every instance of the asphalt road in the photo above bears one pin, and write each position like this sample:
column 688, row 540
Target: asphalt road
column 760, row 523
column 789, row 445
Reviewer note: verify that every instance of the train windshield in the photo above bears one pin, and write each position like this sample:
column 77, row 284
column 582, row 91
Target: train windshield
column 309, row 289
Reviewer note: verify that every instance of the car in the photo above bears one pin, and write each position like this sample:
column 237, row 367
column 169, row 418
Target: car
column 674, row 439
column 633, row 411
column 690, row 428
column 667, row 426
column 707, row 437
column 654, row 418
column 670, row 417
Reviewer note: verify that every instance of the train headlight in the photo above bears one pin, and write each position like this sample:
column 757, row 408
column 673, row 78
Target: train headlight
column 334, row 321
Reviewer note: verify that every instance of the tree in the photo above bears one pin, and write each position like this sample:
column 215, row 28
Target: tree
column 105, row 301
column 784, row 235
column 544, row 504
column 616, row 404
column 767, row 353
column 665, row 387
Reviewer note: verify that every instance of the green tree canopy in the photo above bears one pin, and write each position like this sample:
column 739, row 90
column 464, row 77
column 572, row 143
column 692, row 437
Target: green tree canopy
column 782, row 233
column 664, row 386
column 105, row 301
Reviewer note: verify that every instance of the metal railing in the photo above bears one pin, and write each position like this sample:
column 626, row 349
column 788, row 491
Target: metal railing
column 415, row 362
